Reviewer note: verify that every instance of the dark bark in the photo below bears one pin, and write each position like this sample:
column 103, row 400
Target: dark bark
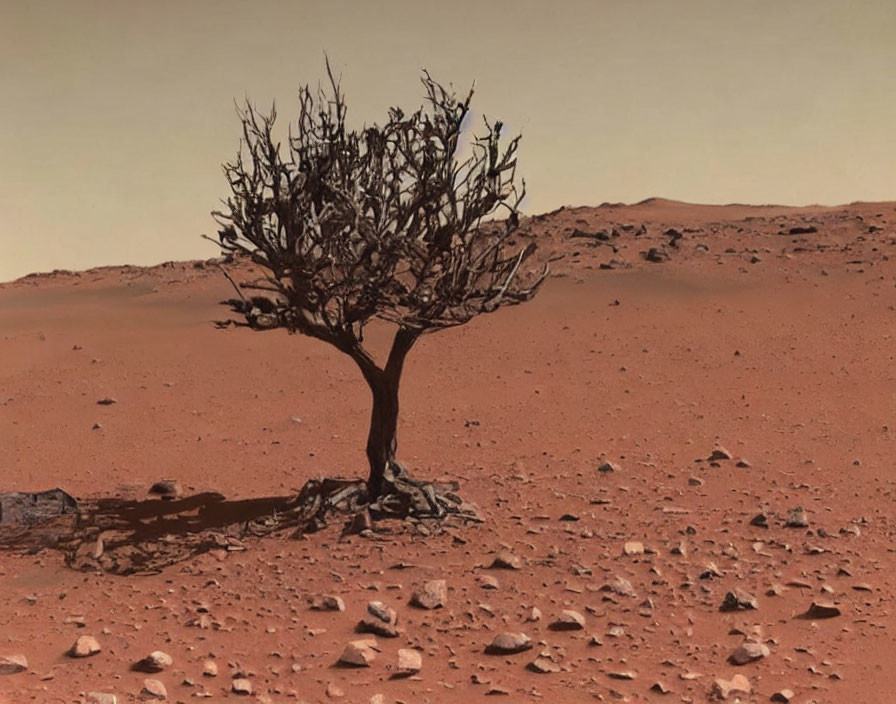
column 382, row 439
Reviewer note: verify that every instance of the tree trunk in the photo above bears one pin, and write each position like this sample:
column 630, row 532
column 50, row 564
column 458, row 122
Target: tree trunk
column 382, row 440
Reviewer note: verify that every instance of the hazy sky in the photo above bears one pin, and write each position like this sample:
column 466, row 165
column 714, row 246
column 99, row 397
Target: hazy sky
column 116, row 115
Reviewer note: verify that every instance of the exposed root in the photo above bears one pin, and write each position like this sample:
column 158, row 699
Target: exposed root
column 144, row 537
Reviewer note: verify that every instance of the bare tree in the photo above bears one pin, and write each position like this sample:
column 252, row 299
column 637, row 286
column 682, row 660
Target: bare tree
column 389, row 221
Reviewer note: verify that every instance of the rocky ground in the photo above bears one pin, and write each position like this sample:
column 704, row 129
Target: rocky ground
column 682, row 448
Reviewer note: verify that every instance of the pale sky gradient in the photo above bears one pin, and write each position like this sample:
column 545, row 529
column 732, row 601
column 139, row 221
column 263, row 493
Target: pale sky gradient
column 115, row 115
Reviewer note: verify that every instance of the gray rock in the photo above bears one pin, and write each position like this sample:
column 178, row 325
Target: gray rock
column 431, row 595
column 738, row 600
column 509, row 644
column 156, row 661
column 749, row 652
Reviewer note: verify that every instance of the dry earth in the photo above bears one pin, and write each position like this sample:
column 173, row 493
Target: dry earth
column 775, row 346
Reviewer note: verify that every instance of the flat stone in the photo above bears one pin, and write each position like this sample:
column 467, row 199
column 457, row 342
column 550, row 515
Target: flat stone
column 543, row 666
column 569, row 620
column 410, row 662
column 620, row 586
column 509, row 644
column 209, row 668
column 84, row 647
column 748, row 652
column 624, row 675
column 241, row 686
column 738, row 684
column 822, row 609
column 431, row 595
column 153, row 689
column 783, row 695
column 12, row 664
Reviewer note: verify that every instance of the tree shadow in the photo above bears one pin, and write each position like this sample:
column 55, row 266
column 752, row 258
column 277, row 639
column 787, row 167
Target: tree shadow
column 129, row 536
column 125, row 536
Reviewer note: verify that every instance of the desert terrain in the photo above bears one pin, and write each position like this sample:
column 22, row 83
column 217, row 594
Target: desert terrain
column 688, row 439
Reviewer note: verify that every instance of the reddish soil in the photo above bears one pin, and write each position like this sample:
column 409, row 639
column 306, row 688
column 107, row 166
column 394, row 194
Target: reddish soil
column 777, row 347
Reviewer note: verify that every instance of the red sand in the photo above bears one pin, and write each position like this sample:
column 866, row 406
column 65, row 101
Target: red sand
column 786, row 361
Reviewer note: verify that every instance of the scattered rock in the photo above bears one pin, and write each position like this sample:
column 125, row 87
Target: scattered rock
column 738, row 600
column 84, row 647
column 783, row 695
column 410, row 662
column 624, row 675
column 633, row 547
column 608, row 467
column 719, row 453
column 241, row 686
column 431, row 595
column 760, row 520
column 156, row 661
column 167, row 489
column 327, row 603
column 487, row 581
column 12, row 664
column 359, row 653
column 620, row 586
column 509, row 644
column 796, row 518
column 506, row 561
column 334, row 691
column 657, row 255
column 380, row 620
column 569, row 620
column 543, row 666
column 209, row 668
column 101, row 698
column 748, row 652
column 738, row 684
column 108, row 401
column 822, row 609
column 153, row 689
